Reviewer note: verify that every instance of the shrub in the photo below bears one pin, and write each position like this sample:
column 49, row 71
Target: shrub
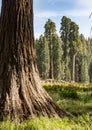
column 69, row 93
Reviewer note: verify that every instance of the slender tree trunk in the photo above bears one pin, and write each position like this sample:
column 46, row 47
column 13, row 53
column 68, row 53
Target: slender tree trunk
column 73, row 68
column 21, row 93
column 51, row 73
column 76, row 73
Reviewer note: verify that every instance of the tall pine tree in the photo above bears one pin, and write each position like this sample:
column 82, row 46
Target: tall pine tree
column 43, row 60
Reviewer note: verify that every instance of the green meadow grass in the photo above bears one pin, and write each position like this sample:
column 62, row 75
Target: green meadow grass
column 80, row 123
column 74, row 98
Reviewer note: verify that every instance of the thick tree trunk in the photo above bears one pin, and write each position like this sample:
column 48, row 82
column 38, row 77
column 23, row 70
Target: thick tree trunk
column 21, row 93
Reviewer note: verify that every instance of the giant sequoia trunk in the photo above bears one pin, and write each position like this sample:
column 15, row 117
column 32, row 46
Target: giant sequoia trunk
column 21, row 93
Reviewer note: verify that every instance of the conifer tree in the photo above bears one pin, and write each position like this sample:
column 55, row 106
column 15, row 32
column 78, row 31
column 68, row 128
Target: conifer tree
column 57, row 57
column 50, row 30
column 43, row 61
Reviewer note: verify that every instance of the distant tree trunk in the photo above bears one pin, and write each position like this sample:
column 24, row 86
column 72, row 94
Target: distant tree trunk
column 21, row 93
column 51, row 73
column 73, row 68
column 76, row 72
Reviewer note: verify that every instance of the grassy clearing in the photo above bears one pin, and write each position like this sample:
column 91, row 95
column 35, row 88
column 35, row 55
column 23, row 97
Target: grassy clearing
column 74, row 98
column 79, row 123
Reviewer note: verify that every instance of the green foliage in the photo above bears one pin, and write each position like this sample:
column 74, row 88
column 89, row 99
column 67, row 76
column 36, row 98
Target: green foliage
column 64, row 32
column 57, row 57
column 65, row 29
column 49, row 53
column 42, row 50
column 50, row 31
column 84, row 70
column 87, row 97
column 66, row 93
column 84, row 60
column 68, row 57
column 50, row 28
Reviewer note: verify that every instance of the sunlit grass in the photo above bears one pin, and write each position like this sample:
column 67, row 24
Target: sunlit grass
column 74, row 98
column 79, row 123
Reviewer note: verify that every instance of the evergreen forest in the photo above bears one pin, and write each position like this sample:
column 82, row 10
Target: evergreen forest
column 65, row 56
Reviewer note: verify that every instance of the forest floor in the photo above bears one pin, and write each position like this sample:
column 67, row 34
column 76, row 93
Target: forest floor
column 75, row 98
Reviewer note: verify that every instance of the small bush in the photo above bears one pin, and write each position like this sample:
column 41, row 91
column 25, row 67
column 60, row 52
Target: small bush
column 65, row 92
column 69, row 93
column 86, row 97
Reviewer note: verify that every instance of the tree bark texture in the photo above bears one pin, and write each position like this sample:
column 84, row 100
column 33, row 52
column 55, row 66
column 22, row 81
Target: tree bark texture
column 21, row 93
